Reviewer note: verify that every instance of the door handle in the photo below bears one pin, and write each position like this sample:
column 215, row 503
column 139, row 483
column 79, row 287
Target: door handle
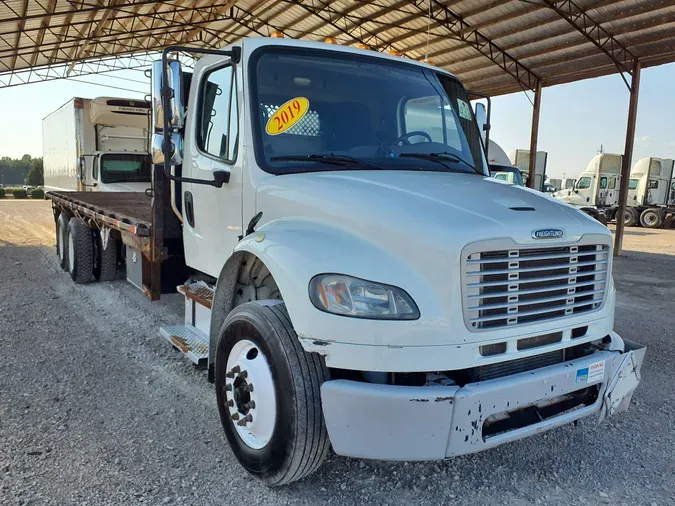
column 189, row 209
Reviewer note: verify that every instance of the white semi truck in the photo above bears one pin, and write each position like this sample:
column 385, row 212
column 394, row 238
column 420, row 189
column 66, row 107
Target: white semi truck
column 596, row 190
column 353, row 276
column 651, row 192
column 97, row 144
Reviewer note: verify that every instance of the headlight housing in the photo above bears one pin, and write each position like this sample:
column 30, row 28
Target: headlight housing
column 359, row 298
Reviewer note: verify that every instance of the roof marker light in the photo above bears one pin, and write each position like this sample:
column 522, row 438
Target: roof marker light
column 330, row 40
column 277, row 35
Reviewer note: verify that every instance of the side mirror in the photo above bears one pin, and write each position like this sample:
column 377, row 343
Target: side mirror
column 175, row 149
column 481, row 118
column 176, row 110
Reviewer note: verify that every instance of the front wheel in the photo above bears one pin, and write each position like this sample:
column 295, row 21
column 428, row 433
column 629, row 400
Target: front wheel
column 269, row 394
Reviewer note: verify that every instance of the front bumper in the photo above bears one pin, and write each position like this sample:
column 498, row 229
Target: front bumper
column 390, row 422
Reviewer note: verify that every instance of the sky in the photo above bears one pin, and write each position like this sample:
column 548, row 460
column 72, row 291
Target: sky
column 576, row 118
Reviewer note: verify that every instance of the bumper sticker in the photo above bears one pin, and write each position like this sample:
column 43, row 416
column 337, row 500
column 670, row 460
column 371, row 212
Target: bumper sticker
column 591, row 374
column 582, row 375
column 596, row 371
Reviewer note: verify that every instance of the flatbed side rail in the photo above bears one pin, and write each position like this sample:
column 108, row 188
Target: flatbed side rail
column 115, row 220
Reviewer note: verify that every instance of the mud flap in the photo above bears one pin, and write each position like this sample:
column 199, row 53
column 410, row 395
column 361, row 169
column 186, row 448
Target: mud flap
column 626, row 377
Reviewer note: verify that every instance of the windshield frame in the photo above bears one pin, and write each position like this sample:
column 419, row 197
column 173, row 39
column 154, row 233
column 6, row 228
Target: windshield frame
column 256, row 124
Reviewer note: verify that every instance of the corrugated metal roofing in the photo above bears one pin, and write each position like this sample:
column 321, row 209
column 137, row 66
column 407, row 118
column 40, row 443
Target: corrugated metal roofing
column 494, row 46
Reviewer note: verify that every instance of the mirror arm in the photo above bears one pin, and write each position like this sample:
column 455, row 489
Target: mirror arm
column 220, row 177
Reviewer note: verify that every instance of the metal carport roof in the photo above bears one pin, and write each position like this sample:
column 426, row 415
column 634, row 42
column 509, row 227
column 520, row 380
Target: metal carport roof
column 494, row 46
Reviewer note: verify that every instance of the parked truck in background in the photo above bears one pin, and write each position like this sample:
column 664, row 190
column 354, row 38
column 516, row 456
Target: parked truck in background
column 97, row 144
column 521, row 159
column 596, row 190
column 354, row 276
column 651, row 192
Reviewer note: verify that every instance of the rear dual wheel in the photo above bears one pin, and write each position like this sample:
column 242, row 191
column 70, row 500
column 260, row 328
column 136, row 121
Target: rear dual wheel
column 80, row 251
column 631, row 217
column 62, row 240
column 269, row 394
column 652, row 218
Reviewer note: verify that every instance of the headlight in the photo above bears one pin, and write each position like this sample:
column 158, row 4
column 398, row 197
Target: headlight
column 359, row 298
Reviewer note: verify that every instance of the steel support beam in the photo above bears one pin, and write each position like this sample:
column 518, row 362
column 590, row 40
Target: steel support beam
column 627, row 156
column 601, row 38
column 534, row 136
column 460, row 30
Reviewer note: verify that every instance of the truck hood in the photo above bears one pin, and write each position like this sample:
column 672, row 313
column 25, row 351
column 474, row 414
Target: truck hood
column 390, row 206
column 123, row 187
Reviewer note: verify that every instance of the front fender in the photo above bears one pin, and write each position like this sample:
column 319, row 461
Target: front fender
column 296, row 250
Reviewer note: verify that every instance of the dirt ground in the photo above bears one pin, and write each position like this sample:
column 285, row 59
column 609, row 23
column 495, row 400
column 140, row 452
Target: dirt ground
column 95, row 408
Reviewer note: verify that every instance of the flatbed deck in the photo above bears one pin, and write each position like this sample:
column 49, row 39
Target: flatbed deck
column 125, row 211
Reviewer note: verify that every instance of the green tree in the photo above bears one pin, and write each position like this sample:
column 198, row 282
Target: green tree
column 35, row 176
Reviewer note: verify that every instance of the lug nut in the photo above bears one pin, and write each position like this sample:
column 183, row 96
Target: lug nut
column 230, row 404
column 235, row 417
column 229, row 375
column 227, row 388
column 251, row 405
column 249, row 387
column 245, row 420
column 236, row 369
column 243, row 374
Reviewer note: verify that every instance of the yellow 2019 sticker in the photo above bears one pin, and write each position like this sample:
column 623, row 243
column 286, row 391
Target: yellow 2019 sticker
column 287, row 115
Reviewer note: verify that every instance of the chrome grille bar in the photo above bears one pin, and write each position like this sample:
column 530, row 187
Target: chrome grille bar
column 505, row 287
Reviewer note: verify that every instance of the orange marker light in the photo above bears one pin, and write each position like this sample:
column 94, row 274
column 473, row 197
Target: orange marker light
column 361, row 45
column 428, row 61
column 277, row 35
column 330, row 40
column 393, row 52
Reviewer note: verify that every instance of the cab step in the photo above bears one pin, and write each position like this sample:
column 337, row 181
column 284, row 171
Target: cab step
column 192, row 342
column 192, row 338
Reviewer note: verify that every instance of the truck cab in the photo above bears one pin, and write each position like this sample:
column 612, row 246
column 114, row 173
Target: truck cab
column 114, row 145
column 598, row 185
column 649, row 183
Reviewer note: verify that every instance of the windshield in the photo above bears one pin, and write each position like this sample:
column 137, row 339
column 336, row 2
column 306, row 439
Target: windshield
column 313, row 107
column 633, row 184
column 125, row 168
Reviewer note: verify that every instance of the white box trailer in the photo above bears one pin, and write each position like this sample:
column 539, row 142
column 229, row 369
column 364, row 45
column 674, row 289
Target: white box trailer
column 97, row 144
column 521, row 159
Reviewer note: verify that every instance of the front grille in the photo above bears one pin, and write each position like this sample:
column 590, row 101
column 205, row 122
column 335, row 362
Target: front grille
column 519, row 286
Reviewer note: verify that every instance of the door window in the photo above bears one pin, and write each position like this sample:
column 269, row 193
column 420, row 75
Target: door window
column 218, row 126
column 603, row 183
column 612, row 183
column 583, row 183
column 653, row 184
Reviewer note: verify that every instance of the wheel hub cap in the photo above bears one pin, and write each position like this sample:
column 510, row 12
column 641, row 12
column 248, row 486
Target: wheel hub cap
column 250, row 395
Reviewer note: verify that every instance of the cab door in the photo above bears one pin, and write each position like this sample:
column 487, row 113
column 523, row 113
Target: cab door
column 602, row 191
column 212, row 217
column 612, row 191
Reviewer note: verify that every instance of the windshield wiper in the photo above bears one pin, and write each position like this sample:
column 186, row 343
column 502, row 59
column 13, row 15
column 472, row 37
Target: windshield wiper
column 329, row 158
column 440, row 158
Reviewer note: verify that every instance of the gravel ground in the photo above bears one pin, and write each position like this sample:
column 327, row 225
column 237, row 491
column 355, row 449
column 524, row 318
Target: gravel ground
column 95, row 408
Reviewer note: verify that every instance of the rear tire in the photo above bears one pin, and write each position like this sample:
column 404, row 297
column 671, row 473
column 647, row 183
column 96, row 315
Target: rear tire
column 62, row 240
column 80, row 251
column 106, row 259
column 630, row 217
column 297, row 442
column 651, row 218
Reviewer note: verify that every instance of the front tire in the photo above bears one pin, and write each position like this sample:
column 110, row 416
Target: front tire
column 80, row 251
column 259, row 358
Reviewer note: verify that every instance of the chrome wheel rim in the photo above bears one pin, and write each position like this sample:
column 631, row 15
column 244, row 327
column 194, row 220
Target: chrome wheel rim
column 250, row 395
